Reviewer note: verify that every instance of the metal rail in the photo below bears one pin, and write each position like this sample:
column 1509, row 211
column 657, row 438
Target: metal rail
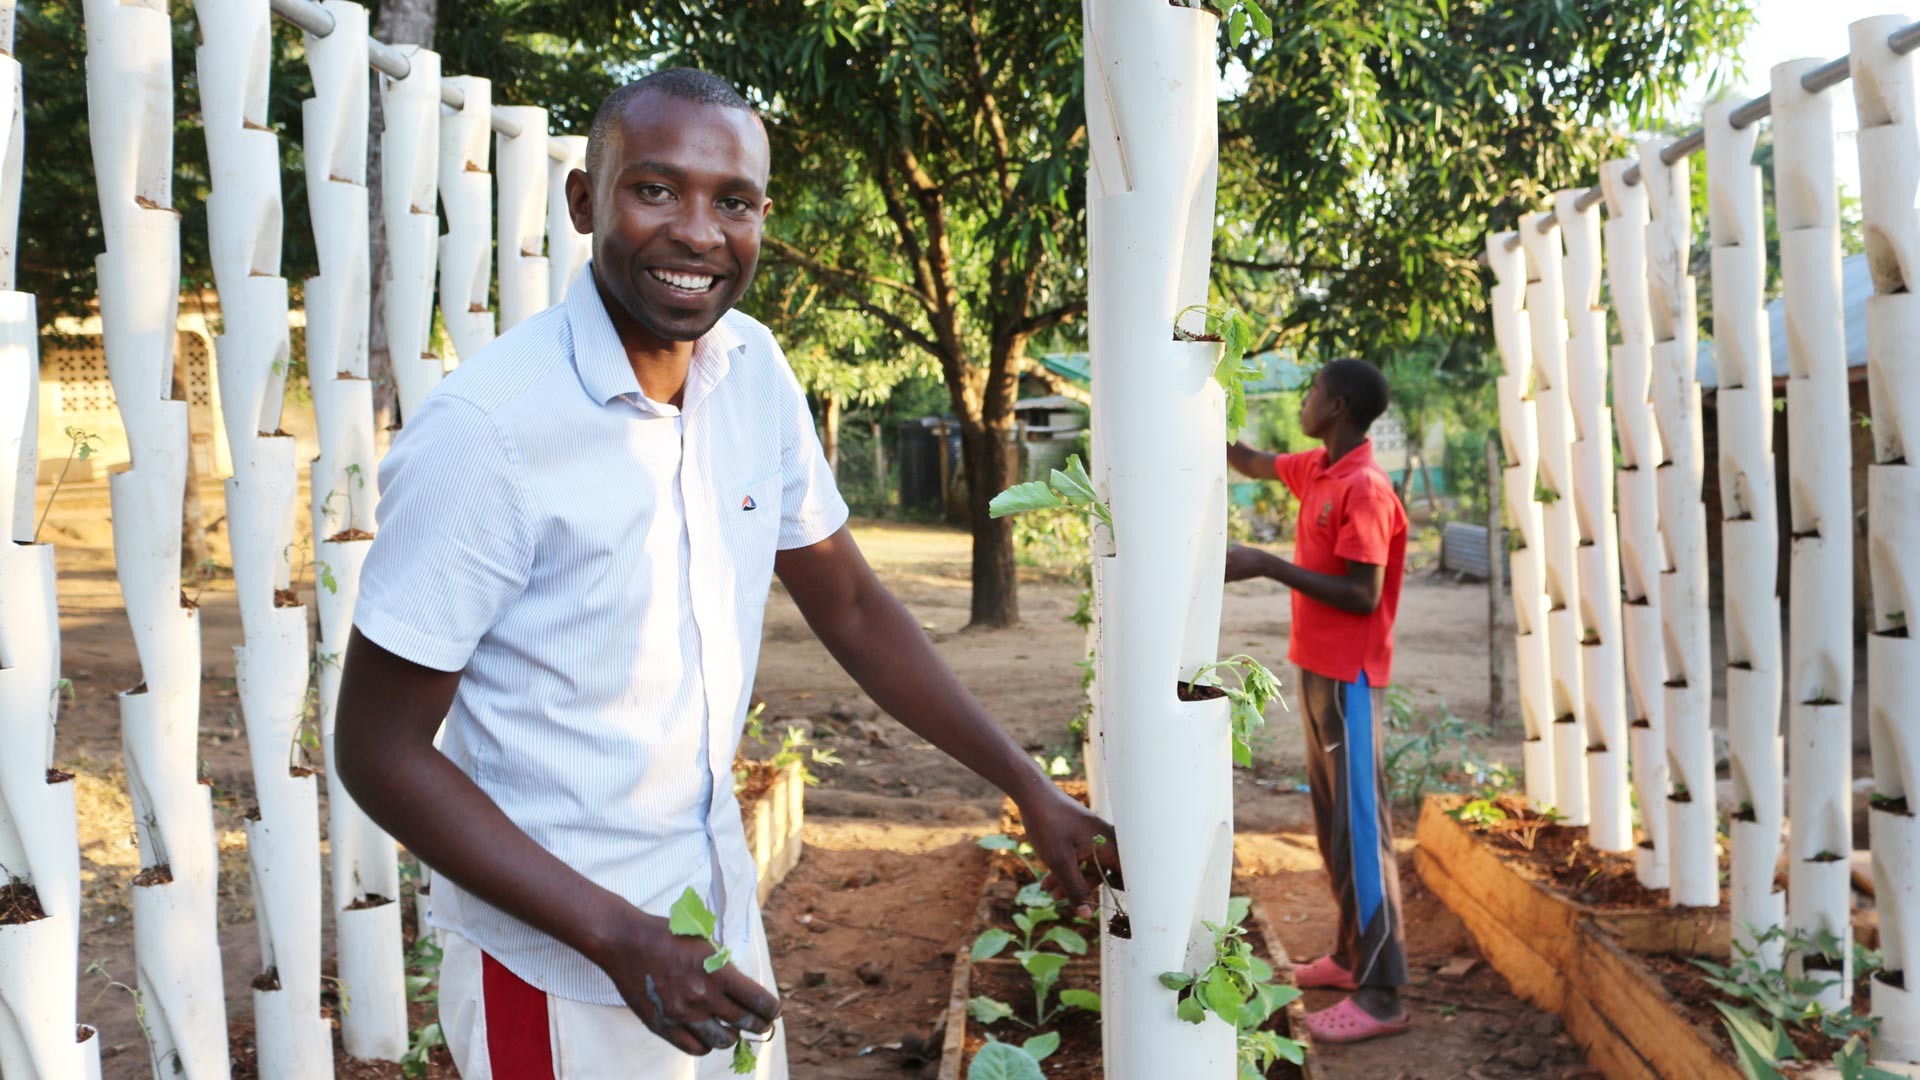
column 387, row 60
column 1824, row 77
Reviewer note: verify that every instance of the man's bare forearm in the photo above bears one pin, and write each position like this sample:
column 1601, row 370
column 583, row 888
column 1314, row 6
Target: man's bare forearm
column 1247, row 461
column 1345, row 592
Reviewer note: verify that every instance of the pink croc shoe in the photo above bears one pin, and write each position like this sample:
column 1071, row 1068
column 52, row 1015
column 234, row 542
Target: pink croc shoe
column 1349, row 1023
column 1323, row 974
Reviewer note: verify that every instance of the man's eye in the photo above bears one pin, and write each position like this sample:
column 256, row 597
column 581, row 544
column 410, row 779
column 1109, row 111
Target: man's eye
column 653, row 192
column 736, row 206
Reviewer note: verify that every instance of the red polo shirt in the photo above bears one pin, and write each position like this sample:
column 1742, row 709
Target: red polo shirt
column 1348, row 513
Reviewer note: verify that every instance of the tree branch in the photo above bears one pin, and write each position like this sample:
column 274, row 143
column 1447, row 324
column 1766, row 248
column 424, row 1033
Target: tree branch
column 785, row 252
column 1047, row 320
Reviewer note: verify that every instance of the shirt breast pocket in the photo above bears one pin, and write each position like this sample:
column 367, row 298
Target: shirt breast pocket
column 752, row 528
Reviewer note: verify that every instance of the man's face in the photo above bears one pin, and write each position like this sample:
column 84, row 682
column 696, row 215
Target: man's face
column 675, row 210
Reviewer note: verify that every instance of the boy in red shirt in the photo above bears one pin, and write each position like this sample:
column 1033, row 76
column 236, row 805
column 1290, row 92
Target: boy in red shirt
column 1349, row 554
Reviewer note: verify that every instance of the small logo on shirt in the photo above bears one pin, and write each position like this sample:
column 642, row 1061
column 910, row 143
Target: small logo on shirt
column 1326, row 511
column 747, row 503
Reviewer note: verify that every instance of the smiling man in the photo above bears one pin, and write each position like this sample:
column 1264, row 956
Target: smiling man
column 577, row 536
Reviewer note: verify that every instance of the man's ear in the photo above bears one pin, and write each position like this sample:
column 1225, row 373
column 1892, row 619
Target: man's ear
column 580, row 201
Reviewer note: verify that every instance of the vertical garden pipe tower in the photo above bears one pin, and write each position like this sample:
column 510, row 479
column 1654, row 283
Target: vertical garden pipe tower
column 235, row 61
column 1886, row 93
column 1820, row 490
column 1520, row 477
column 1642, row 558
column 39, row 842
column 1693, row 866
column 409, row 190
column 1553, row 416
column 1165, row 763
column 176, row 939
column 523, row 173
column 364, row 873
column 466, row 193
column 567, row 248
column 1597, row 559
column 1749, row 529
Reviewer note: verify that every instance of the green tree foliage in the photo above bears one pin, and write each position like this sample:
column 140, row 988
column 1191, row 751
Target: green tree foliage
column 1376, row 141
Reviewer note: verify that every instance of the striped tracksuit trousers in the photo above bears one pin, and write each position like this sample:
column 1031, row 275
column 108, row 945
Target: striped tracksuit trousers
column 1352, row 820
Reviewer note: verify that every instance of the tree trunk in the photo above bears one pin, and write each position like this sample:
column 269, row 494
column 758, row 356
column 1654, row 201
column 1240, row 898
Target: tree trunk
column 879, row 468
column 996, row 597
column 400, row 22
column 830, row 436
column 194, row 548
column 1426, row 481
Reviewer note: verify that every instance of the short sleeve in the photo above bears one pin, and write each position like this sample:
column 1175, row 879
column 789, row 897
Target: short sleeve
column 454, row 544
column 1366, row 530
column 1295, row 470
column 811, row 508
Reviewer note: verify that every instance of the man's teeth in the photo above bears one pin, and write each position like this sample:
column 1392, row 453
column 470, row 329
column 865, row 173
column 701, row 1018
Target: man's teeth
column 689, row 282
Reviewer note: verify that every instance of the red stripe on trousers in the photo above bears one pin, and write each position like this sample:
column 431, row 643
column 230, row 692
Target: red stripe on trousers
column 519, row 1044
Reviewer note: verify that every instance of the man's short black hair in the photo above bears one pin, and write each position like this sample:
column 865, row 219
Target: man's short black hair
column 1360, row 385
column 687, row 84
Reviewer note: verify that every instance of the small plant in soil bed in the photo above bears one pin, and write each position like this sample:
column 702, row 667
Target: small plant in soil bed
column 1773, row 1020
column 1540, row 845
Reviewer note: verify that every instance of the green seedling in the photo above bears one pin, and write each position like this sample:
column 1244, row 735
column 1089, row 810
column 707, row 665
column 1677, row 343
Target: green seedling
column 1005, row 1061
column 1038, row 922
column 1234, row 329
column 1769, row 1005
column 796, row 748
column 1482, row 812
column 689, row 917
column 1256, row 687
column 80, row 447
column 1237, row 987
column 1066, row 489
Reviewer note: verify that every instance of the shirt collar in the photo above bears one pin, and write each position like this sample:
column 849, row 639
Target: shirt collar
column 602, row 363
column 1360, row 457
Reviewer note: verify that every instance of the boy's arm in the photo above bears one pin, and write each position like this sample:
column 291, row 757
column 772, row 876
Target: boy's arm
column 882, row 646
column 1357, row 591
column 1247, row 461
column 388, row 712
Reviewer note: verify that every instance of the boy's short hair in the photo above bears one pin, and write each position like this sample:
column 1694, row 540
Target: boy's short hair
column 1360, row 385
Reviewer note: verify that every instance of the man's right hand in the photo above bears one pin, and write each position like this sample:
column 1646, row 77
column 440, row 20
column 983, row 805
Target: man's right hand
column 662, row 976
column 1247, row 461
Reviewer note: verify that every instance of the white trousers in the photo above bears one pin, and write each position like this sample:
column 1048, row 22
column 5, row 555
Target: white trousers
column 576, row 1041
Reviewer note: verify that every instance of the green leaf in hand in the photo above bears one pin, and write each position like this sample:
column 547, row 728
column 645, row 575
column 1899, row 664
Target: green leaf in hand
column 743, row 1062
column 689, row 916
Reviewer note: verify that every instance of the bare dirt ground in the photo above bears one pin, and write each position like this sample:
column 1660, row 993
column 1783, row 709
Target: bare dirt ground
column 891, row 871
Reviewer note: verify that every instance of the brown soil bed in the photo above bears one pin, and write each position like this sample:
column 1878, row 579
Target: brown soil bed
column 1560, row 856
column 19, row 903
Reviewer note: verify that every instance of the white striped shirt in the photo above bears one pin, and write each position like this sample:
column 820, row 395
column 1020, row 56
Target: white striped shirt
column 597, row 566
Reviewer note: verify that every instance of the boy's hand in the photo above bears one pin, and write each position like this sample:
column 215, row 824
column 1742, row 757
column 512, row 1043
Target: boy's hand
column 1063, row 834
column 1245, row 562
column 664, row 980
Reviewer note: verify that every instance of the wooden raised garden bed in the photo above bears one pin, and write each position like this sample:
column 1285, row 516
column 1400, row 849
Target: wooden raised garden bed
column 1079, row 1054
column 771, row 807
column 1580, row 959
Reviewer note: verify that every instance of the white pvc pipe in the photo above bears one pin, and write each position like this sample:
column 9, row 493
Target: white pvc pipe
column 1642, row 559
column 466, row 193
column 283, row 834
column 522, row 168
column 1553, row 412
column 409, row 190
column 1693, row 864
column 1819, row 474
column 1520, row 445
column 176, row 938
column 1597, row 561
column 364, row 871
column 1749, row 531
column 567, row 248
column 1165, row 764
column 1886, row 95
column 39, row 838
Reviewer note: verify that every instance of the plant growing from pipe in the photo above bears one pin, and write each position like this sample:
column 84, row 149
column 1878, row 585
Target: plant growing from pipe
column 1254, row 688
column 1237, row 987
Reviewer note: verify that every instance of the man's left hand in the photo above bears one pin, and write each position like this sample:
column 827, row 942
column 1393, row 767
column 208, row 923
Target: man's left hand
column 1065, row 835
column 1245, row 562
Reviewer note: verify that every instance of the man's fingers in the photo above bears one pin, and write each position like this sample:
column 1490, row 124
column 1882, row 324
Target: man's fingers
column 762, row 1008
column 1075, row 884
column 682, row 1039
column 716, row 1034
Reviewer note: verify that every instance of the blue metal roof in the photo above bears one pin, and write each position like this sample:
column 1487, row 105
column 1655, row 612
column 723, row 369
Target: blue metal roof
column 1856, row 285
column 1282, row 373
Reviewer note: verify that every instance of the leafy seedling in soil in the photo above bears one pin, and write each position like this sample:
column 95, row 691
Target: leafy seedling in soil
column 1065, row 489
column 1238, row 987
column 1772, row 1004
column 1042, row 965
column 1256, row 688
column 1234, row 330
column 1004, row 1061
column 689, row 917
